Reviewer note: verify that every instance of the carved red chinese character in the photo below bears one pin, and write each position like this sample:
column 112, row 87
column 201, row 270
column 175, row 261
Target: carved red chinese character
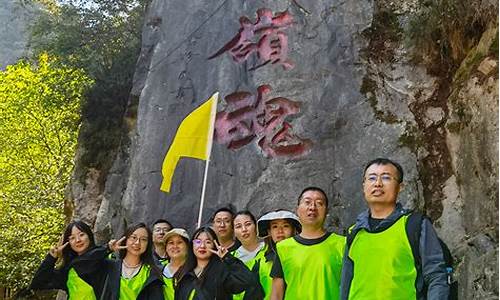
column 248, row 117
column 265, row 38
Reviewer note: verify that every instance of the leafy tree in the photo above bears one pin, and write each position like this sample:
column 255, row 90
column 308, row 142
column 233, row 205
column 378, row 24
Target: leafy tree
column 39, row 122
column 103, row 37
column 42, row 106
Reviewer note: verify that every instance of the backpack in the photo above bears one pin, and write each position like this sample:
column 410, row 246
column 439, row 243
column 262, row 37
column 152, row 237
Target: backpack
column 413, row 231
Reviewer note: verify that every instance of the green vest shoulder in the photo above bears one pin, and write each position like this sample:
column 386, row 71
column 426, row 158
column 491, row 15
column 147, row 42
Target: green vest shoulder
column 250, row 265
column 168, row 288
column 130, row 288
column 78, row 288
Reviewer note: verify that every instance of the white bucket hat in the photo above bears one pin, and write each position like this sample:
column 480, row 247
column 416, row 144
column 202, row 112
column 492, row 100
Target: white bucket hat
column 265, row 220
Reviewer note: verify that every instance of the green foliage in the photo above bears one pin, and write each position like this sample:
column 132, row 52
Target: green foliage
column 39, row 122
column 443, row 31
column 103, row 37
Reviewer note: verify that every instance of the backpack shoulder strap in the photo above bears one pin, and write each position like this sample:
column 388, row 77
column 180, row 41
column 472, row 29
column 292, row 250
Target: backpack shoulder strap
column 413, row 231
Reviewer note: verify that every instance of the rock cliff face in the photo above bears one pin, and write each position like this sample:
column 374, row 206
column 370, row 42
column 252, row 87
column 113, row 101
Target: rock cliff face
column 338, row 85
column 14, row 22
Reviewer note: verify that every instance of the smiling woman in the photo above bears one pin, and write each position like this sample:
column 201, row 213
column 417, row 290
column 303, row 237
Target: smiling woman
column 82, row 270
column 135, row 275
column 210, row 272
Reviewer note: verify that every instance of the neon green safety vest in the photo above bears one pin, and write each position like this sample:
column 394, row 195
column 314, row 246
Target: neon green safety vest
column 78, row 288
column 192, row 294
column 312, row 272
column 130, row 288
column 250, row 264
column 384, row 268
column 265, row 279
column 168, row 288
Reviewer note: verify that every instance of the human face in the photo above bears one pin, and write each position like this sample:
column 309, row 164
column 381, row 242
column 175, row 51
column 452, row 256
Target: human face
column 159, row 231
column 137, row 242
column 176, row 247
column 202, row 245
column 78, row 240
column 312, row 209
column 280, row 229
column 223, row 225
column 244, row 229
column 381, row 185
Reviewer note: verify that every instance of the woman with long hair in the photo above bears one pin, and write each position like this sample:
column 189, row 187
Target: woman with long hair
column 274, row 226
column 245, row 230
column 81, row 271
column 177, row 249
column 210, row 272
column 135, row 274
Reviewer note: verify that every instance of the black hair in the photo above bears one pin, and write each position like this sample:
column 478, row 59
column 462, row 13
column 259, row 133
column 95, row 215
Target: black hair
column 314, row 189
column 246, row 213
column 229, row 209
column 146, row 257
column 69, row 254
column 386, row 161
column 162, row 221
column 191, row 261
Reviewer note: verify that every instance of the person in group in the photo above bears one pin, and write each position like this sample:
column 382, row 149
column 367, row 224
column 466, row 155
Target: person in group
column 135, row 275
column 178, row 247
column 308, row 266
column 245, row 230
column 378, row 260
column 160, row 229
column 274, row 226
column 210, row 272
column 222, row 224
column 83, row 268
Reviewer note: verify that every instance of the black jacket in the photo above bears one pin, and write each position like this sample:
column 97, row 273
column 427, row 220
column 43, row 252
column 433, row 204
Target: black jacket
column 152, row 289
column 220, row 280
column 90, row 266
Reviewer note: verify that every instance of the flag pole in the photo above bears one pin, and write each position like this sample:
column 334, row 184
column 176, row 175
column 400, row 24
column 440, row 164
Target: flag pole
column 213, row 113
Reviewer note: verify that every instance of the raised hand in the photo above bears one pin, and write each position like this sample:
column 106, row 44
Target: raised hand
column 114, row 245
column 56, row 250
column 221, row 251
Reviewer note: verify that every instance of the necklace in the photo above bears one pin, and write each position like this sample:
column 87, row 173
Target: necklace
column 131, row 267
column 130, row 271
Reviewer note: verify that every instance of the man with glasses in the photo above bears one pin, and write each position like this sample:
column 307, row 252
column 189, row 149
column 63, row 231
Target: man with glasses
column 160, row 229
column 308, row 265
column 379, row 261
column 222, row 224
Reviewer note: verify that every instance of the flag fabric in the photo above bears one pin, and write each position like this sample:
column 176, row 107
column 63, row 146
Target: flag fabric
column 193, row 139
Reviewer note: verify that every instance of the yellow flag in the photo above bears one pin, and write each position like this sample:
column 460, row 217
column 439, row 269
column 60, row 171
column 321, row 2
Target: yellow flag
column 193, row 139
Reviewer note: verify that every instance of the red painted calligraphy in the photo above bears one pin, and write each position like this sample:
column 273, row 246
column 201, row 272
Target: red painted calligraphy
column 248, row 117
column 265, row 38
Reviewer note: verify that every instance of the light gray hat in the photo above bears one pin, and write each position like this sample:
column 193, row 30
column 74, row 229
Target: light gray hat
column 265, row 220
column 176, row 231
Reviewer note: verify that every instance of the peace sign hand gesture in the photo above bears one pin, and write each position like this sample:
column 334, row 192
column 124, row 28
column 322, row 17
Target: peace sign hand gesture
column 114, row 245
column 56, row 250
column 221, row 251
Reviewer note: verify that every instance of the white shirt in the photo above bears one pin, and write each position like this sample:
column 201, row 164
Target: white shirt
column 244, row 255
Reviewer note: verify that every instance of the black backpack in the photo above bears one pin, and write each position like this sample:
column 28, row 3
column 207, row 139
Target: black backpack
column 413, row 230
